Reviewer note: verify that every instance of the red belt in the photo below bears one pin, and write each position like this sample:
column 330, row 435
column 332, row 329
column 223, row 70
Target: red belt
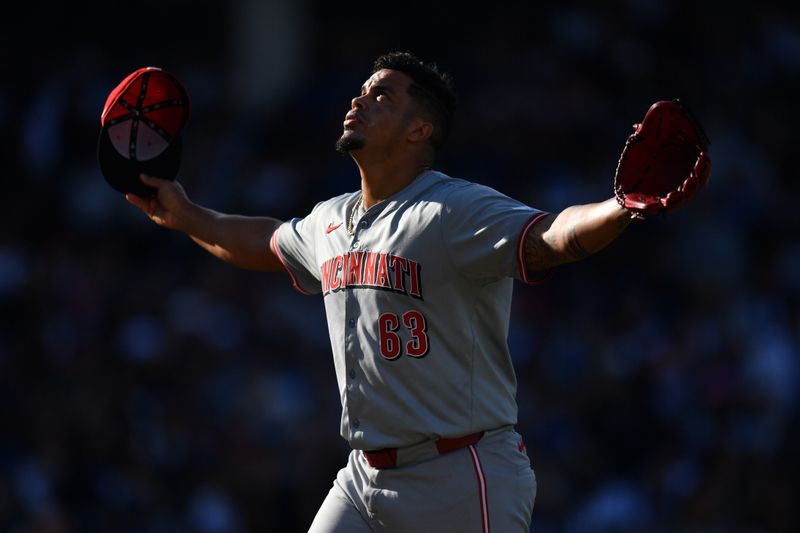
column 387, row 457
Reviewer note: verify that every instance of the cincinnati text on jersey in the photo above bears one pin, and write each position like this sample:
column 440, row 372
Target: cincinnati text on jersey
column 374, row 270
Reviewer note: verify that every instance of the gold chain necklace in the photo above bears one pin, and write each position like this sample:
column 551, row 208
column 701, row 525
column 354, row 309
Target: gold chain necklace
column 350, row 229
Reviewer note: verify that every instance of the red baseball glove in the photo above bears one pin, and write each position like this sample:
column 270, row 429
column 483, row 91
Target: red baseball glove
column 664, row 163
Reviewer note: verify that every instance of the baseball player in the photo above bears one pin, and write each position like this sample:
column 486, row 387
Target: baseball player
column 416, row 269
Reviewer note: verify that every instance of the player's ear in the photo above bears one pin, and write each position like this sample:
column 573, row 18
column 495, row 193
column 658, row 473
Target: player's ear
column 420, row 131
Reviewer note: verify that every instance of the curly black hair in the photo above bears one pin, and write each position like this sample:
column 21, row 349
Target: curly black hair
column 432, row 89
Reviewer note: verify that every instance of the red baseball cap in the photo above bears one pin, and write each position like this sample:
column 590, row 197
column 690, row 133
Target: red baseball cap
column 140, row 131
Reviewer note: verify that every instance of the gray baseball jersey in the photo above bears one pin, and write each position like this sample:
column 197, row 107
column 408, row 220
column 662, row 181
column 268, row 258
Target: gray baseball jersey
column 418, row 302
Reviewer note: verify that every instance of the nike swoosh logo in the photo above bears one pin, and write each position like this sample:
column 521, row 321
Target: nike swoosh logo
column 331, row 227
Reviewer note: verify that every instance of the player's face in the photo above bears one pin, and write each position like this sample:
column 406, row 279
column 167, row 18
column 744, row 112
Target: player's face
column 381, row 115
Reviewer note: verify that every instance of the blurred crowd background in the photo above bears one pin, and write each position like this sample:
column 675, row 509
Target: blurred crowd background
column 146, row 386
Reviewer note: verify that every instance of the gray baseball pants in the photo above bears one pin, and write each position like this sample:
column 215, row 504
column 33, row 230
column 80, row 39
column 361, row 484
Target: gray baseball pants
column 488, row 486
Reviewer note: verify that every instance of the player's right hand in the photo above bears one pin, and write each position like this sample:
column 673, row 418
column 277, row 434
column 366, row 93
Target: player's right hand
column 165, row 205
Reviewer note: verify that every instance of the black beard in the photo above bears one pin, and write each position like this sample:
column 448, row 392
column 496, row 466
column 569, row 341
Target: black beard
column 348, row 143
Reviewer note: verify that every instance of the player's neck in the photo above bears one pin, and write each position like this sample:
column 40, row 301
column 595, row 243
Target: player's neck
column 382, row 179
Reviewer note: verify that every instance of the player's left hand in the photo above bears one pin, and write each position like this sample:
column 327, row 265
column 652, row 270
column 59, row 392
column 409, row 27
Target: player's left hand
column 664, row 163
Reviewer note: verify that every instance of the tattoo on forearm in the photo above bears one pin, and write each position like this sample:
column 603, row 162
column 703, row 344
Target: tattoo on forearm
column 538, row 254
column 545, row 249
column 573, row 246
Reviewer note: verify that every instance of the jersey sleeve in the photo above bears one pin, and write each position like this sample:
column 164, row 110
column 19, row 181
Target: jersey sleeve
column 293, row 243
column 484, row 230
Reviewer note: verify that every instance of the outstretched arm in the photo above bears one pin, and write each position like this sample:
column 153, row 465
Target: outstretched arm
column 574, row 234
column 239, row 240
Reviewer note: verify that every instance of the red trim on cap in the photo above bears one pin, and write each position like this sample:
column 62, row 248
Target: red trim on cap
column 273, row 245
column 523, row 269
column 483, row 491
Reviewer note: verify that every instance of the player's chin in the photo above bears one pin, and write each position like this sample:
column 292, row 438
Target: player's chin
column 349, row 142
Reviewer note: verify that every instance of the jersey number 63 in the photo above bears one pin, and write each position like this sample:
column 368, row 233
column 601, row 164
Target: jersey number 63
column 391, row 343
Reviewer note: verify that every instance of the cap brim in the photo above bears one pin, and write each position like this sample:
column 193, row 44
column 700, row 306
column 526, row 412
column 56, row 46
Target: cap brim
column 123, row 174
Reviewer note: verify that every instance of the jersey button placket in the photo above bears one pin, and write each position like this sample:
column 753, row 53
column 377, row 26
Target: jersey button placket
column 352, row 351
column 352, row 345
